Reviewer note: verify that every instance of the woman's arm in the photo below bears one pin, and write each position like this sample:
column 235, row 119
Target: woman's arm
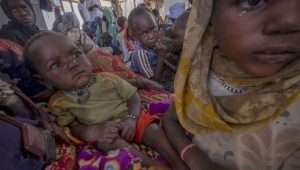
column 194, row 157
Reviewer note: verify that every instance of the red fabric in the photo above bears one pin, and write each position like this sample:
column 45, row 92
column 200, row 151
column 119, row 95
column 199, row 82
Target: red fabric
column 9, row 45
column 103, row 62
column 144, row 120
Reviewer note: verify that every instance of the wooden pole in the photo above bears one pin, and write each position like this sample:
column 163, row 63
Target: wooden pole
column 62, row 6
column 71, row 5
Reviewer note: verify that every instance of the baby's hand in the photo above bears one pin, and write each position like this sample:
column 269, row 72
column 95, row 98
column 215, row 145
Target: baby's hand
column 128, row 129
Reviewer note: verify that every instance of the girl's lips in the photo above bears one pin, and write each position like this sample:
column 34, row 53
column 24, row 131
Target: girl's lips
column 282, row 58
column 277, row 55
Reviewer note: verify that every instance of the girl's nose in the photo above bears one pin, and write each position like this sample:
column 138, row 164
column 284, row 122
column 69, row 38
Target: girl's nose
column 283, row 18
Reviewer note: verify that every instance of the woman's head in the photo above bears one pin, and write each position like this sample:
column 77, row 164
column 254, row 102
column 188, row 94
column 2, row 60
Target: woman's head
column 59, row 62
column 121, row 23
column 261, row 36
column 178, row 31
column 20, row 11
column 67, row 22
column 250, row 45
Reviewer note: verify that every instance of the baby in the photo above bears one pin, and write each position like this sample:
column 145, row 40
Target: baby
column 87, row 99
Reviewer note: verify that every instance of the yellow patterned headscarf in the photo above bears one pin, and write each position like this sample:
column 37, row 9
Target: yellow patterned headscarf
column 200, row 112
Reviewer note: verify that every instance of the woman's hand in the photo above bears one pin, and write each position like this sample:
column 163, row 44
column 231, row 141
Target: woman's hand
column 197, row 159
column 128, row 129
column 192, row 158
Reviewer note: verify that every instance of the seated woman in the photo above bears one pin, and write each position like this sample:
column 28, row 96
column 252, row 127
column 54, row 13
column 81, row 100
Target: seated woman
column 13, row 37
column 238, row 87
column 24, row 145
column 173, row 41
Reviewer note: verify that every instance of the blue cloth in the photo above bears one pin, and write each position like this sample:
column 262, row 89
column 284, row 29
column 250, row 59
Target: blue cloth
column 10, row 65
column 13, row 156
column 143, row 61
column 176, row 10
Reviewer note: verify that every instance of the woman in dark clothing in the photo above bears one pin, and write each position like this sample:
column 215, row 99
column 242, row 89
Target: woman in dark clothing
column 13, row 37
column 22, row 24
column 14, row 156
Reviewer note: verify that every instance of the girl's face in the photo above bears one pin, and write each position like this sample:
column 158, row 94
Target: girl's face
column 61, row 63
column 261, row 36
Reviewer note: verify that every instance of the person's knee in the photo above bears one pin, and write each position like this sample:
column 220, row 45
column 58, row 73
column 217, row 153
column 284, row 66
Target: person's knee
column 153, row 133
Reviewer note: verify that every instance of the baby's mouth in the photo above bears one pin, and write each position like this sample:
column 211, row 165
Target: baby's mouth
column 79, row 74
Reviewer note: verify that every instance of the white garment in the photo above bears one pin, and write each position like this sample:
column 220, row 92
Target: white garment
column 217, row 87
column 84, row 12
column 96, row 12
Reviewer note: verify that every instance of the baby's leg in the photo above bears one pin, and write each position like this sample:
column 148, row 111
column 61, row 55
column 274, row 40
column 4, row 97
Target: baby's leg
column 155, row 137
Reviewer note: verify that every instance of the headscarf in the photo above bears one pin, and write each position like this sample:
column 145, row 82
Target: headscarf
column 198, row 111
column 15, row 31
column 66, row 22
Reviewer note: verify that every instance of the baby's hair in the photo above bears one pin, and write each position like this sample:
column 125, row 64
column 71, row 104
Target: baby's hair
column 135, row 14
column 29, row 52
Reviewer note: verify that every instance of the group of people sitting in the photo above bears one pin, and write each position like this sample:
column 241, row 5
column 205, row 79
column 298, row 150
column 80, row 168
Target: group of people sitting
column 95, row 103
column 67, row 103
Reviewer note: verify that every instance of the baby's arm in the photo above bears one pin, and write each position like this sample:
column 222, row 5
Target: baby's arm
column 129, row 124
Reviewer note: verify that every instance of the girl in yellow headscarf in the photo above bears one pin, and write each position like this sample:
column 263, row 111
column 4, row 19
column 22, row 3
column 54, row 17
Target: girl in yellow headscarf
column 238, row 86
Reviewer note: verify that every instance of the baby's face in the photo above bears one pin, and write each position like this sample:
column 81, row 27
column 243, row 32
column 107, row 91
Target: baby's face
column 261, row 36
column 61, row 63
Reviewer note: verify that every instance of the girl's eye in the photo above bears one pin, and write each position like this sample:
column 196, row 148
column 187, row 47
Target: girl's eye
column 250, row 4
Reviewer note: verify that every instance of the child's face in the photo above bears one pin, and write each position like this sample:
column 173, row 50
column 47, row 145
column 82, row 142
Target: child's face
column 146, row 31
column 61, row 63
column 22, row 12
column 261, row 36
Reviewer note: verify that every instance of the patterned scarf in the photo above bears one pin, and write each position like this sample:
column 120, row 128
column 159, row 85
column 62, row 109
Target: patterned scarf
column 200, row 112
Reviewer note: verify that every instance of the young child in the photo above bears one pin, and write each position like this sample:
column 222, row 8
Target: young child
column 174, row 42
column 89, row 100
column 237, row 87
column 144, row 30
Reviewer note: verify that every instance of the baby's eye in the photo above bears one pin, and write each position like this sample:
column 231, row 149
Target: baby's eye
column 54, row 66
column 77, row 53
column 250, row 4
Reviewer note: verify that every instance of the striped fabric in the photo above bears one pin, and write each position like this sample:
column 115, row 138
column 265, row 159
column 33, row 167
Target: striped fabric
column 143, row 61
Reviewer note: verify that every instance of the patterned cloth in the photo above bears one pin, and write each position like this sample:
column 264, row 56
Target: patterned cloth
column 104, row 62
column 88, row 158
column 143, row 61
column 249, row 124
